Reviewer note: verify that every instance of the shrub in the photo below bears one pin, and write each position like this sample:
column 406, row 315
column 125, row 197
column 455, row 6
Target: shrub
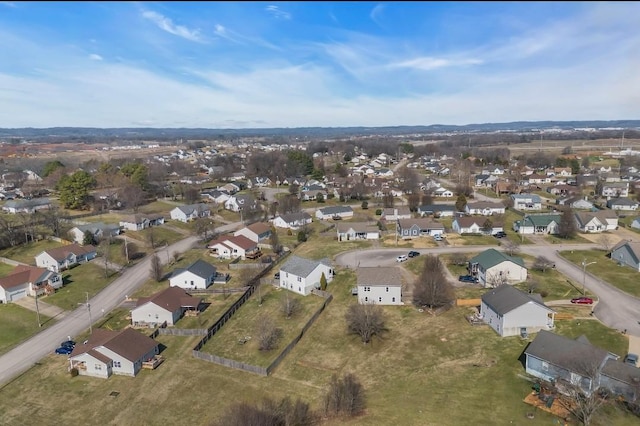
column 378, row 212
column 74, row 372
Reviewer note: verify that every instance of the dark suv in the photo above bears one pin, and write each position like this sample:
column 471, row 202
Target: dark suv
column 467, row 279
column 414, row 253
column 500, row 234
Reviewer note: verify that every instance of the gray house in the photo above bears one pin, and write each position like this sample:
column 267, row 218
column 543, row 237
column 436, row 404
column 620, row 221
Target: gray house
column 343, row 212
column 97, row 230
column 437, row 210
column 167, row 306
column 511, row 312
column 627, row 253
column 563, row 361
column 413, row 228
column 622, row 203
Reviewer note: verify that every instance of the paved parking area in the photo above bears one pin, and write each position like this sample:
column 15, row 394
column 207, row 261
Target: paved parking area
column 634, row 345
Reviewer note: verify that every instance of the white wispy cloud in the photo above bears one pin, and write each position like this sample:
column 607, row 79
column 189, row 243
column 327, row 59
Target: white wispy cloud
column 277, row 12
column 167, row 25
column 8, row 4
column 429, row 63
column 95, row 57
column 376, row 12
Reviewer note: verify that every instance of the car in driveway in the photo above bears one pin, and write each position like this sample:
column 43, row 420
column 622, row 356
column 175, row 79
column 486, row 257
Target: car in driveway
column 414, row 253
column 64, row 350
column 401, row 258
column 582, row 300
column 500, row 234
column 467, row 279
column 631, row 359
column 68, row 344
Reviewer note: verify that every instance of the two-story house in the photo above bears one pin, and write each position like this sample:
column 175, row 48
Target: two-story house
column 379, row 285
column 302, row 275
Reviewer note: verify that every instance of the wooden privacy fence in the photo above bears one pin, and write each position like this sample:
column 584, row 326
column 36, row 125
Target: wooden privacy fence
column 182, row 331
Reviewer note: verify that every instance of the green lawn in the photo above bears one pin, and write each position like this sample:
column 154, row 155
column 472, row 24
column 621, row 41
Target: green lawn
column 577, row 239
column 326, row 245
column 85, row 278
column 26, row 253
column 420, row 365
column 18, row 324
column 161, row 235
column 472, row 240
column 622, row 277
column 597, row 333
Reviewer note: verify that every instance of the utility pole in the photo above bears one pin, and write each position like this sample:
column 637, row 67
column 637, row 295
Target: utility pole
column 584, row 272
column 126, row 249
column 38, row 310
column 88, row 310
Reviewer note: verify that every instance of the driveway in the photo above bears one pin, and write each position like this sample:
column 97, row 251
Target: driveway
column 44, row 308
column 615, row 308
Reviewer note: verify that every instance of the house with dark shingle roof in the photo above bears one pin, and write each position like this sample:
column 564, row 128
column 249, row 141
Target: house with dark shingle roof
column 258, row 232
column 302, row 275
column 98, row 231
column 108, row 352
column 537, row 224
column 357, row 231
column 493, row 268
column 292, row 220
column 563, row 361
column 621, row 379
column 475, row 225
column 167, row 306
column 379, row 285
column 26, row 206
column 27, row 280
column 419, row 227
column 198, row 275
column 437, row 210
column 484, row 208
column 190, row 212
column 344, row 212
column 511, row 312
column 65, row 257
column 138, row 222
column 627, row 253
column 622, row 203
column 230, row 247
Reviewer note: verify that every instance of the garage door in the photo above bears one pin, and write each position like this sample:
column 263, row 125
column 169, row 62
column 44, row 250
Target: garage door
column 16, row 295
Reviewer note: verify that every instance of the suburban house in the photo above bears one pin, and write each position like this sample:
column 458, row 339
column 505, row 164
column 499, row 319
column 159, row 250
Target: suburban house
column 198, row 275
column 190, row 212
column 357, row 231
column 636, row 223
column 621, row 379
column 302, row 275
column 442, row 192
column 598, row 221
column 98, row 231
column 232, row 246
column 475, row 225
column 258, row 232
column 241, row 202
column 564, row 361
column 108, row 352
column 26, row 206
column 624, row 204
column 65, row 257
column 577, row 202
column 511, row 312
column 379, row 285
column 627, row 253
column 538, row 224
column 392, row 214
column 28, row 281
column 494, row 268
column 215, row 195
column 526, row 202
column 138, row 222
column 484, row 208
column 437, row 210
column 167, row 306
column 420, row 227
column 615, row 189
column 344, row 212
column 292, row 220
column 313, row 194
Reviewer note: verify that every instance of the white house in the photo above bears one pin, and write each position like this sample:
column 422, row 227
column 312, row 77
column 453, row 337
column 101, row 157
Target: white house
column 190, row 212
column 379, row 285
column 615, row 189
column 623, row 204
column 393, row 214
column 26, row 206
column 28, row 281
column 258, row 232
column 344, row 212
column 167, row 306
column 598, row 221
column 475, row 225
column 302, row 275
column 198, row 275
column 241, row 202
column 538, row 224
column 357, row 231
column 98, row 231
column 494, row 268
column 108, row 352
column 138, row 222
column 511, row 312
column 65, row 257
column 420, row 227
column 292, row 220
column 526, row 202
column 442, row 192
column 484, row 208
column 232, row 246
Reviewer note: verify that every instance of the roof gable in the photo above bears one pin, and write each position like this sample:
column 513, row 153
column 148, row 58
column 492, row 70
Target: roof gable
column 505, row 298
column 492, row 257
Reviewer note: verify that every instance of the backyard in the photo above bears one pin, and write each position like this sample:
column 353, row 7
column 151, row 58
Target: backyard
column 26, row 253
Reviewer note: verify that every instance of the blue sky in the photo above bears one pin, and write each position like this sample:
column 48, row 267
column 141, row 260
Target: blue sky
column 330, row 64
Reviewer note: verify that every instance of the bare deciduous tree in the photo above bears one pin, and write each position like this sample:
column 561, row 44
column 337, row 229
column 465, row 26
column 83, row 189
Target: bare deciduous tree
column 365, row 320
column 605, row 241
column 267, row 333
column 269, row 413
column 567, row 227
column 156, row 268
column 542, row 264
column 290, row 305
column 496, row 279
column 511, row 247
column 432, row 288
column 345, row 396
column 459, row 259
column 583, row 396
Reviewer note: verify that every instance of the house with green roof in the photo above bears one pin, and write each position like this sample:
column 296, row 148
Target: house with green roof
column 494, row 268
column 538, row 224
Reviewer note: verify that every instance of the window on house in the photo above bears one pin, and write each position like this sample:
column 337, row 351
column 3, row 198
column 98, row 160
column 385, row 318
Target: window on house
column 117, row 364
column 387, row 289
column 366, row 299
column 379, row 299
column 299, row 279
column 191, row 282
column 97, row 366
column 393, row 299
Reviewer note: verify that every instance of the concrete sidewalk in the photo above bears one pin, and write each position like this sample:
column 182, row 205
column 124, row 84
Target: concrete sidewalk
column 45, row 309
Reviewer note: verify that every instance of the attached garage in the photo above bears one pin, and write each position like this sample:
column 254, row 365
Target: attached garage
column 8, row 295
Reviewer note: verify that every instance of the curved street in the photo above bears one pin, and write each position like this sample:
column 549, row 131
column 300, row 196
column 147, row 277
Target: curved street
column 28, row 353
column 615, row 308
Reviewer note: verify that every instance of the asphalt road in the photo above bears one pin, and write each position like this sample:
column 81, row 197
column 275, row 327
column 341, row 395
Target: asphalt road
column 28, row 353
column 615, row 308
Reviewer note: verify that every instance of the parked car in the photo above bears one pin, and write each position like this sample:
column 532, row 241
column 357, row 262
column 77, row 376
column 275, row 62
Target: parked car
column 631, row 359
column 276, row 276
column 401, row 258
column 68, row 344
column 64, row 350
column 438, row 237
column 414, row 253
column 467, row 279
column 582, row 300
column 500, row 234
